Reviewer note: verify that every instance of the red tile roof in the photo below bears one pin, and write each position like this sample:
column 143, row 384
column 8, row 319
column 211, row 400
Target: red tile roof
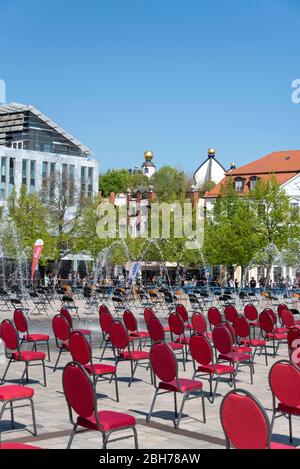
column 284, row 164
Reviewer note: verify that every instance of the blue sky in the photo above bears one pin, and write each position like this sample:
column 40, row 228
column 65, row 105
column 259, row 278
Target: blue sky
column 173, row 76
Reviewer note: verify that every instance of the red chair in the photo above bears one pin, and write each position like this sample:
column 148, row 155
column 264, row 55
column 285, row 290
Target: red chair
column 10, row 338
column 148, row 314
column 251, row 314
column 214, row 317
column 287, row 319
column 199, row 324
column 202, row 354
column 293, row 339
column 81, row 352
column 22, row 327
column 236, row 347
column 157, row 333
column 165, row 367
column 223, row 343
column 243, row 332
column 230, row 313
column 245, row 422
column 132, row 327
column 11, row 394
column 65, row 313
column 284, row 380
column 181, row 310
column 62, row 331
column 103, row 309
column 14, row 446
column 279, row 330
column 281, row 307
column 81, row 399
column 105, row 321
column 121, row 345
column 177, row 330
column 269, row 331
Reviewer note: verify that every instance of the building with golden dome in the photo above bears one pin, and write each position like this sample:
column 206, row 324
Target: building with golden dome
column 148, row 167
column 209, row 171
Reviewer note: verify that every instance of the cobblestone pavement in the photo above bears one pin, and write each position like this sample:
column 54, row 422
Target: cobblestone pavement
column 52, row 414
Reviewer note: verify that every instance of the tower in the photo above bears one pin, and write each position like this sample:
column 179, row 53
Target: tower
column 148, row 167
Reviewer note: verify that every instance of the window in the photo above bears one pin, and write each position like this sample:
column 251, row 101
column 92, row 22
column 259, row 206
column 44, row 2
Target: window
column 295, row 205
column 252, row 182
column 83, row 181
column 71, row 183
column 11, row 171
column 90, row 182
column 32, row 176
column 24, row 172
column 3, row 169
column 238, row 185
column 52, row 181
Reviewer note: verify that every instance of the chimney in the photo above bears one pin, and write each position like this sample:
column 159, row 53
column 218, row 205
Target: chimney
column 194, row 195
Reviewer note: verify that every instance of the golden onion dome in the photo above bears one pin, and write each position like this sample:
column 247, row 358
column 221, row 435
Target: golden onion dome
column 211, row 151
column 148, row 155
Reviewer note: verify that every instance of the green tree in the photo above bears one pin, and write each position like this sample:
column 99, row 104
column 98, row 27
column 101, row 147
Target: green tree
column 170, row 184
column 115, row 180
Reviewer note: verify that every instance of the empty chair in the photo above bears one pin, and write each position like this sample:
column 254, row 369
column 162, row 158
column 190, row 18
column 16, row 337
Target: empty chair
column 21, row 325
column 132, row 327
column 251, row 314
column 287, row 319
column 269, row 331
column 105, row 320
column 81, row 352
column 293, row 340
column 121, row 344
column 199, row 324
column 81, row 399
column 14, row 394
column 245, row 422
column 165, row 368
column 284, row 380
column 148, row 314
column 230, row 313
column 204, row 365
column 62, row 331
column 181, row 310
column 156, row 332
column 13, row 352
column 214, row 317
column 65, row 313
column 177, row 330
column 223, row 343
column 243, row 332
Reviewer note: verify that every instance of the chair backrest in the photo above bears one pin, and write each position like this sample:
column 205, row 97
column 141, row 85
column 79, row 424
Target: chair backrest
column 79, row 348
column 181, row 310
column 214, row 316
column 293, row 340
column 229, row 327
column 222, row 339
column 284, row 380
column 20, row 321
column 287, row 318
column 250, row 312
column 105, row 320
column 163, row 362
column 78, row 390
column 281, row 307
column 148, row 314
column 65, row 313
column 201, row 349
column 118, row 335
column 238, row 407
column 241, row 327
column 156, row 330
column 230, row 313
column 199, row 323
column 266, row 321
column 9, row 335
column 103, row 308
column 61, row 328
column 130, row 321
column 176, row 323
column 272, row 314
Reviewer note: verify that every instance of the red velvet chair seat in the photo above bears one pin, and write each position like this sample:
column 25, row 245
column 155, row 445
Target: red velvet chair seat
column 186, row 385
column 14, row 391
column 175, row 346
column 235, row 357
column 28, row 356
column 135, row 355
column 218, row 369
column 289, row 409
column 109, row 420
column 100, row 369
column 36, row 337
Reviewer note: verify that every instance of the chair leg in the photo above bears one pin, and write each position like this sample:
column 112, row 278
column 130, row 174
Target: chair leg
column 57, row 360
column 103, row 352
column 133, row 370
column 290, row 428
column 33, row 417
column 72, row 436
column 136, row 443
column 175, row 405
column 5, row 372
column 12, row 415
column 116, row 386
column 48, row 350
column 273, row 420
column 203, row 407
column 183, row 359
column 44, row 373
column 185, row 396
column 152, row 406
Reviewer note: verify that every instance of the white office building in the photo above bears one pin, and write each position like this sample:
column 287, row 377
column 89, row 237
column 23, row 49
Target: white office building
column 33, row 149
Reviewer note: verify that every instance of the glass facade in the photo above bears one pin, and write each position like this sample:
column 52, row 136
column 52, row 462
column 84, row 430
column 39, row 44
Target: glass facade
column 32, row 177
column 24, row 172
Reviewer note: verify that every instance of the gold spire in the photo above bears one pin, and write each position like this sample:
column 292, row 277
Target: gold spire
column 148, row 155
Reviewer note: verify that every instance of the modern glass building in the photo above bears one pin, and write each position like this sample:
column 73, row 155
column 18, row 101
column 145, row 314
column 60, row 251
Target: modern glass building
column 35, row 151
